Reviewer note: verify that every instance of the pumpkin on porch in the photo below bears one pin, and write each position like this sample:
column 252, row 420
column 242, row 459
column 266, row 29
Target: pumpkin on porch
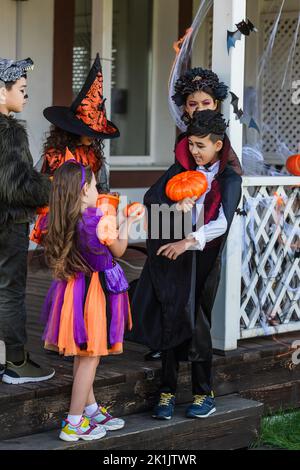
column 293, row 165
column 186, row 184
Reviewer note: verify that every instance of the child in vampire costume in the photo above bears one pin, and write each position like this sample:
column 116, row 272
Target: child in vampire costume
column 174, row 298
column 22, row 190
column 197, row 89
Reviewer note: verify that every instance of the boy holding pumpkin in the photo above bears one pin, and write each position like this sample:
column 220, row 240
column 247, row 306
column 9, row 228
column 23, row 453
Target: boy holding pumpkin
column 176, row 292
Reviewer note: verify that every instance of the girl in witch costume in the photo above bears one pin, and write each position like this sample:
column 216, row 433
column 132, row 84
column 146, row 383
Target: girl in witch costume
column 174, row 297
column 87, row 306
column 196, row 90
column 80, row 129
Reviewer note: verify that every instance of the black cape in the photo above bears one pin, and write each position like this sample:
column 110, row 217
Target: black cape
column 163, row 303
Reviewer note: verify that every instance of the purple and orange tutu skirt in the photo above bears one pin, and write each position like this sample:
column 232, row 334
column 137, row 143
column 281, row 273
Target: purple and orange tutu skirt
column 83, row 319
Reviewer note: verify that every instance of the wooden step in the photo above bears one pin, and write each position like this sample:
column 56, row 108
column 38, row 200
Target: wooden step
column 235, row 425
column 283, row 396
column 129, row 388
column 129, row 385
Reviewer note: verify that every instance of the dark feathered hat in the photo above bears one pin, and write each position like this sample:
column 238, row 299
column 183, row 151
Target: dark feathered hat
column 199, row 79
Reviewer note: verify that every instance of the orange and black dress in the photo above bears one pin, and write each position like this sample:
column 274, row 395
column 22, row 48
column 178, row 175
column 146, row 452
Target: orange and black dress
column 87, row 316
column 83, row 154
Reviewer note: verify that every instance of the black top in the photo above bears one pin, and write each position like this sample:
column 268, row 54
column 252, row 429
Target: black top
column 22, row 188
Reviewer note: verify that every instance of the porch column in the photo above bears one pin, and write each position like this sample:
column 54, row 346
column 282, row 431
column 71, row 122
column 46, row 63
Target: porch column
column 230, row 68
column 64, row 17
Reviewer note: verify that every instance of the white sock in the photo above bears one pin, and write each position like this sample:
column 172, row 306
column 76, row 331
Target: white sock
column 91, row 409
column 74, row 419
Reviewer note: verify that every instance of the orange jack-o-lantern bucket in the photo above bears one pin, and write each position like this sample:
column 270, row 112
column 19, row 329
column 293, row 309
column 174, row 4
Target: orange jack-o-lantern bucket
column 108, row 203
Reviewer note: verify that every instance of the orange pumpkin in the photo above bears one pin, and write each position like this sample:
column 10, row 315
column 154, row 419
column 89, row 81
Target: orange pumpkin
column 293, row 165
column 134, row 208
column 39, row 231
column 108, row 203
column 186, row 184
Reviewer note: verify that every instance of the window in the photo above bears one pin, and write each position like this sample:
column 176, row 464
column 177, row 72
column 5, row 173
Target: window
column 82, row 43
column 131, row 76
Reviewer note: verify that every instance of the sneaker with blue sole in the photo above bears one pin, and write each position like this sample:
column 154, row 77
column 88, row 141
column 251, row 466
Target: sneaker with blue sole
column 202, row 407
column 165, row 407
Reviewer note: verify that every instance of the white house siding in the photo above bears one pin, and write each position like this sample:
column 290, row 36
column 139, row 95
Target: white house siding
column 33, row 37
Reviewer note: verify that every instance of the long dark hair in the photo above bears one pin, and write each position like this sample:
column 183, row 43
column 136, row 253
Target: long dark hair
column 60, row 139
column 61, row 250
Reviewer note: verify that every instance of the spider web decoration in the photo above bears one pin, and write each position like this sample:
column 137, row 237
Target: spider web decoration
column 280, row 118
column 184, row 48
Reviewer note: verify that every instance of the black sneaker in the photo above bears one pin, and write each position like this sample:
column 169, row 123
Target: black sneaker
column 152, row 356
column 27, row 372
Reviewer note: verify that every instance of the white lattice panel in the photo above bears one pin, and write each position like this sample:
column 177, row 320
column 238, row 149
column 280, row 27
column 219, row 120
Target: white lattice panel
column 270, row 296
column 280, row 118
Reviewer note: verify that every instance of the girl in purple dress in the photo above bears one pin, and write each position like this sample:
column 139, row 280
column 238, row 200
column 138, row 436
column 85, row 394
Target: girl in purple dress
column 87, row 308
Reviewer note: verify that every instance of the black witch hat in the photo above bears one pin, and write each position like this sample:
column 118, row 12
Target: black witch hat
column 87, row 114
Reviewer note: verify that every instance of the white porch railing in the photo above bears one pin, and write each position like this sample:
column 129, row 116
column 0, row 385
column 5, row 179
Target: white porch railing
column 259, row 292
column 270, row 290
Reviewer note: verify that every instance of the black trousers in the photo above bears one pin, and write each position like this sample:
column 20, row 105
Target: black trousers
column 201, row 370
column 201, row 374
column 14, row 243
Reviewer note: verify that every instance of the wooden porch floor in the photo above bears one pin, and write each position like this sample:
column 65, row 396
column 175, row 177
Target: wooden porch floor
column 260, row 369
